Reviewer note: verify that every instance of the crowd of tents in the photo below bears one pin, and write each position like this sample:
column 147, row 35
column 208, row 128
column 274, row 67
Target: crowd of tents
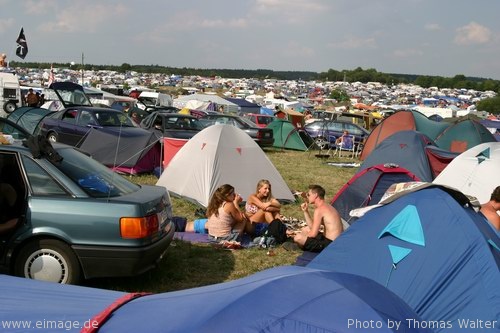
column 416, row 257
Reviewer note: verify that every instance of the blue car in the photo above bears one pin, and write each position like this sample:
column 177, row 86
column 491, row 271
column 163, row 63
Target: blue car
column 71, row 125
column 65, row 216
column 324, row 132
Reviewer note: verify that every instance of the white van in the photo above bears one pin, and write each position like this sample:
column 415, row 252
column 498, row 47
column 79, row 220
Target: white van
column 10, row 93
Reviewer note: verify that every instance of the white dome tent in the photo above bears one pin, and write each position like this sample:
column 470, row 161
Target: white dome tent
column 475, row 172
column 221, row 154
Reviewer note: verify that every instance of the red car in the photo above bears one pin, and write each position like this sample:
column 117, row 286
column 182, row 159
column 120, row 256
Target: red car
column 261, row 120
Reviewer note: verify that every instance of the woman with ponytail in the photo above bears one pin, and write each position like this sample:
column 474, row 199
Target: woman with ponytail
column 225, row 220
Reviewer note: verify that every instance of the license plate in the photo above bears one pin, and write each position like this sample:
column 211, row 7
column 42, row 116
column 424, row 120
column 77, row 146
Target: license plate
column 162, row 217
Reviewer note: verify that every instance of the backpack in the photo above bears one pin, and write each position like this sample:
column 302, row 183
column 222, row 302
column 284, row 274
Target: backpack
column 277, row 229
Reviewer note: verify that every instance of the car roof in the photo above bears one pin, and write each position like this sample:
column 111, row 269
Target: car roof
column 177, row 115
column 222, row 115
column 20, row 147
column 259, row 115
column 90, row 109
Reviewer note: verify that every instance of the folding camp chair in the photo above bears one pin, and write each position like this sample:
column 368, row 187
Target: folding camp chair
column 347, row 144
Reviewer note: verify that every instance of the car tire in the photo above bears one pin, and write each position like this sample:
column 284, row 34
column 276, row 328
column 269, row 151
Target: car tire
column 48, row 260
column 9, row 107
column 52, row 137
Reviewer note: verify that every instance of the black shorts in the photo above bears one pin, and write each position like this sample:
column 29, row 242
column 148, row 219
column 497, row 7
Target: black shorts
column 316, row 244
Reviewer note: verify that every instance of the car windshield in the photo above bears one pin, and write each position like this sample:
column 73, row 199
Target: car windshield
column 246, row 121
column 95, row 179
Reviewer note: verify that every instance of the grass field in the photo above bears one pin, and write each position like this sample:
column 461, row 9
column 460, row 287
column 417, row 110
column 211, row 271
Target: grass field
column 189, row 265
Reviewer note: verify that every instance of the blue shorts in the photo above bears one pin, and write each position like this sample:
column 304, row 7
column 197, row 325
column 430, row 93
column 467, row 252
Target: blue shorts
column 199, row 226
column 260, row 229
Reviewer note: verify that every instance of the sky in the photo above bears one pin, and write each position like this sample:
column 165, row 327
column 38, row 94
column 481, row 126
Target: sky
column 424, row 37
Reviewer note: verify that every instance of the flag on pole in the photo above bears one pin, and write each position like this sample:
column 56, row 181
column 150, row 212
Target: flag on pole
column 52, row 78
column 22, row 45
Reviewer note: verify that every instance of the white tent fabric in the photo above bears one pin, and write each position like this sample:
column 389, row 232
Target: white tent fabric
column 197, row 105
column 221, row 154
column 475, row 172
column 229, row 107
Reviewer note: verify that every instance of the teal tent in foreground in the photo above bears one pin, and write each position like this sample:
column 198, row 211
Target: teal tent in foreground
column 28, row 117
column 287, row 136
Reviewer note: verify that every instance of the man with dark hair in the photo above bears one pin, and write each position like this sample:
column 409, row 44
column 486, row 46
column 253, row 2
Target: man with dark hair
column 311, row 238
column 490, row 208
column 31, row 98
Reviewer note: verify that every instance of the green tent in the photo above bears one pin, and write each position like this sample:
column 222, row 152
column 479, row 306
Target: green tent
column 463, row 135
column 286, row 136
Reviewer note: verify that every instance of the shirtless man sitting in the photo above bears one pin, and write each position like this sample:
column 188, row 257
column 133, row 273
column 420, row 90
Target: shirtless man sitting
column 490, row 208
column 310, row 238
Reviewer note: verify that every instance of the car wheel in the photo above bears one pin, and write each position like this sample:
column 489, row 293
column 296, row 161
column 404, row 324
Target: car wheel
column 321, row 142
column 9, row 107
column 52, row 137
column 48, row 260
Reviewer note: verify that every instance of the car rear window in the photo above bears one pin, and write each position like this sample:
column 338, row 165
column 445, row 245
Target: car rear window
column 264, row 120
column 94, row 178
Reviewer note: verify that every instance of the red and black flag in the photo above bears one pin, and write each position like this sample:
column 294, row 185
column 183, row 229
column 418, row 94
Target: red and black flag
column 22, row 45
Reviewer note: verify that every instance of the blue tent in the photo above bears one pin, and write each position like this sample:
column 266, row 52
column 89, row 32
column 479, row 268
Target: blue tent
column 244, row 105
column 26, row 302
column 413, row 151
column 433, row 251
column 493, row 126
column 283, row 299
column 268, row 111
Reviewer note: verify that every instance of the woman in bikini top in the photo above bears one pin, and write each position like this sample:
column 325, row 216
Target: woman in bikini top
column 261, row 206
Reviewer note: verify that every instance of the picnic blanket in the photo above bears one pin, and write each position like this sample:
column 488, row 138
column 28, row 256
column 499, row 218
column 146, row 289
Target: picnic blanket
column 194, row 237
column 344, row 164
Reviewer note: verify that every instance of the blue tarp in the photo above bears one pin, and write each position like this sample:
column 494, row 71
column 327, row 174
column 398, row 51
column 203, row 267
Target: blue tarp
column 244, row 105
column 28, row 302
column 282, row 299
column 267, row 111
column 436, row 254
